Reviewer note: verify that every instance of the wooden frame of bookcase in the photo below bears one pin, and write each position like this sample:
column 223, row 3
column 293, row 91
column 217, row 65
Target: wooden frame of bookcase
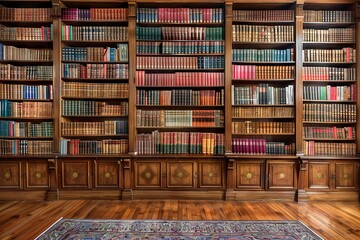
column 127, row 165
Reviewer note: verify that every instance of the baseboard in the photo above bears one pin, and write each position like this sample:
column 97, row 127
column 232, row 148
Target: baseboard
column 186, row 195
column 90, row 195
column 333, row 196
column 283, row 196
column 23, row 195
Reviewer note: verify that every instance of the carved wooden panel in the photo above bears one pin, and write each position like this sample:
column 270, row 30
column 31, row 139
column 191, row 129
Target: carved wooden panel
column 211, row 173
column 346, row 175
column 75, row 174
column 319, row 175
column 10, row 174
column 180, row 174
column 281, row 174
column 249, row 174
column 37, row 175
column 107, row 173
column 147, row 174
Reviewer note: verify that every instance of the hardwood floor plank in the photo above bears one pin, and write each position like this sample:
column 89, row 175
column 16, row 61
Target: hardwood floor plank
column 331, row 220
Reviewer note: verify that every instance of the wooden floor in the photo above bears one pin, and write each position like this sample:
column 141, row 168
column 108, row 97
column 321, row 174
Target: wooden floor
column 26, row 220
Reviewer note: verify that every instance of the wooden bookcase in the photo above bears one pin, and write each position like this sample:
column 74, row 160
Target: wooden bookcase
column 180, row 54
column 93, row 98
column 210, row 100
column 26, row 96
column 330, row 88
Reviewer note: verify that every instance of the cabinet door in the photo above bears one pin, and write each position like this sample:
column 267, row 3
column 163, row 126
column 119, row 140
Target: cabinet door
column 37, row 175
column 75, row 174
column 180, row 174
column 346, row 175
column 211, row 174
column 147, row 174
column 281, row 175
column 107, row 173
column 319, row 175
column 250, row 174
column 10, row 174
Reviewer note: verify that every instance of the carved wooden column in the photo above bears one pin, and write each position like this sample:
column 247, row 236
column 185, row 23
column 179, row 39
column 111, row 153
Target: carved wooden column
column 53, row 193
column 127, row 193
column 302, row 164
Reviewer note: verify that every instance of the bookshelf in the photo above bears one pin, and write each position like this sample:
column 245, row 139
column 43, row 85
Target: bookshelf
column 93, row 100
column 237, row 100
column 263, row 126
column 26, row 95
column 330, row 89
column 180, row 97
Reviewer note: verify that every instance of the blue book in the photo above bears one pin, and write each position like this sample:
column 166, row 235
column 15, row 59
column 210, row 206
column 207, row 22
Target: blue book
column 1, row 51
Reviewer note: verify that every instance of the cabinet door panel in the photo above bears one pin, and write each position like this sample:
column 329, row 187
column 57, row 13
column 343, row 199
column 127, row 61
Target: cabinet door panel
column 281, row 175
column 37, row 174
column 249, row 174
column 180, row 174
column 10, row 174
column 147, row 174
column 211, row 174
column 76, row 174
column 319, row 175
column 346, row 176
column 107, row 174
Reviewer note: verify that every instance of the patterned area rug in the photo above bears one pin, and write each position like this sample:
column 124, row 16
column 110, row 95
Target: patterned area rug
column 163, row 229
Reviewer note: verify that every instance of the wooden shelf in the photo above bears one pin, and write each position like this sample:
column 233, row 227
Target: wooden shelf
column 262, row 45
column 95, row 22
column 263, row 105
column 28, row 43
column 168, row 24
column 181, row 70
column 259, row 156
column 329, row 139
column 96, row 136
column 265, row 23
column 178, row 54
column 263, row 134
column 16, row 23
column 264, row 63
column 262, row 80
column 177, row 87
column 252, row 118
column 27, row 62
column 74, row 43
column 328, row 81
column 97, row 62
column 27, row 81
column 94, row 116
column 181, row 106
column 95, row 79
column 95, row 98
column 27, row 118
column 26, row 138
column 333, row 123
column 328, row 101
column 327, row 24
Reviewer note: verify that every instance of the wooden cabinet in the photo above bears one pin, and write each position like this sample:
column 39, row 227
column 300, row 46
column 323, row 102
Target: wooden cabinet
column 107, row 173
column 86, row 173
column 250, row 174
column 76, row 174
column 264, row 178
column 333, row 175
column 281, row 175
column 10, row 174
column 147, row 174
column 178, row 174
column 36, row 174
column 211, row 174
